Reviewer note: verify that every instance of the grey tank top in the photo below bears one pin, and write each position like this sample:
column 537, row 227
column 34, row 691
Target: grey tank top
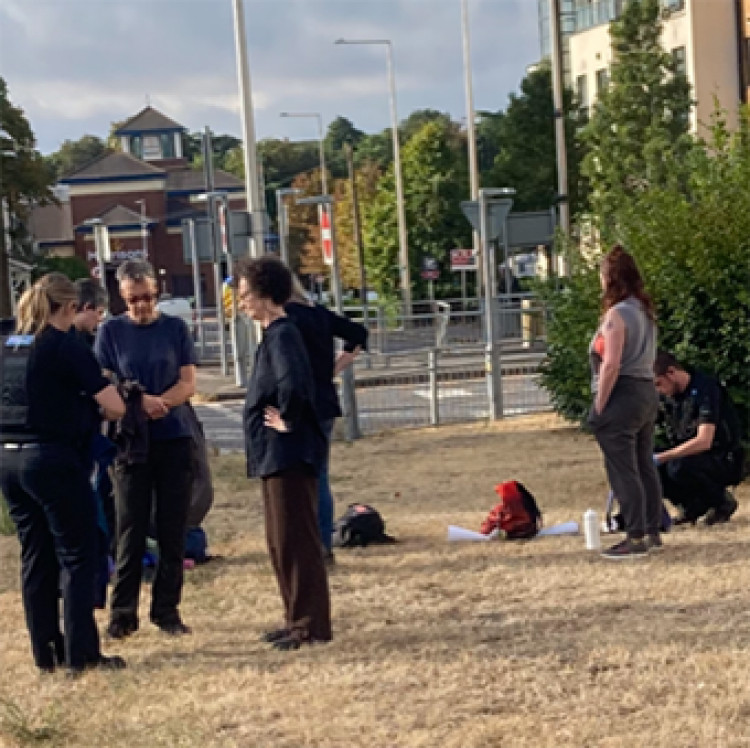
column 639, row 348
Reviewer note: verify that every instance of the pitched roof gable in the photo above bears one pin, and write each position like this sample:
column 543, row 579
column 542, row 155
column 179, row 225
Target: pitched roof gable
column 149, row 120
column 113, row 165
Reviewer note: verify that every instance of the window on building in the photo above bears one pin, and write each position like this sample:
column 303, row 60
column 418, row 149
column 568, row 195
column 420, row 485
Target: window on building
column 151, row 147
column 136, row 146
column 167, row 145
column 679, row 58
column 582, row 92
column 602, row 81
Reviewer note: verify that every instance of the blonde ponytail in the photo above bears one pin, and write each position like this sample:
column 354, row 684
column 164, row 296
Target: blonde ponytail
column 42, row 300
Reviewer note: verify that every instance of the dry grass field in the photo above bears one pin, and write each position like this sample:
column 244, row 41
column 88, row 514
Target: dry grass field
column 529, row 644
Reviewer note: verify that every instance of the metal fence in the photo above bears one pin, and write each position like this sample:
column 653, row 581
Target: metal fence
column 430, row 387
column 520, row 321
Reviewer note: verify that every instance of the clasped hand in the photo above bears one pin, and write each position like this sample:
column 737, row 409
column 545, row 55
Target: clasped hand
column 154, row 406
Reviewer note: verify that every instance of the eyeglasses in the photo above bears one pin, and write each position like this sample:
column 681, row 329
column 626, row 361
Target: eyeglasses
column 146, row 298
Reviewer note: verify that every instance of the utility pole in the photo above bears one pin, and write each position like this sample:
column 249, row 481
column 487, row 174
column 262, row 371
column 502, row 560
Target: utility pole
column 357, row 227
column 558, row 104
column 252, row 183
column 471, row 136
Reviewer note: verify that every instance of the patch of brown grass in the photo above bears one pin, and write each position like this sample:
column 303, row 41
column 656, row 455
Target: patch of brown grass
column 453, row 645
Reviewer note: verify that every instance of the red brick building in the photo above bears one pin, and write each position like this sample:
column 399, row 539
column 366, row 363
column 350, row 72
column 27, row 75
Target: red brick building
column 141, row 192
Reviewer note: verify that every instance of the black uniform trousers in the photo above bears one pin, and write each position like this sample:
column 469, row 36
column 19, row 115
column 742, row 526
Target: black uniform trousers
column 696, row 483
column 290, row 500
column 52, row 505
column 166, row 477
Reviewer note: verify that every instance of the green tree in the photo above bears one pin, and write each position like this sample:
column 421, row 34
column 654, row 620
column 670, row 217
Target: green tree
column 435, row 177
column 26, row 181
column 73, row 154
column 340, row 131
column 523, row 139
column 638, row 132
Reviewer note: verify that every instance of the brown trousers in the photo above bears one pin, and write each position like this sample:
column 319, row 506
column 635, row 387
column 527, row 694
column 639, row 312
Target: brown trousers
column 290, row 501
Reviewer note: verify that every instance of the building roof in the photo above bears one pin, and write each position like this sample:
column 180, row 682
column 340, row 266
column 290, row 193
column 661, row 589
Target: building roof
column 51, row 223
column 117, row 215
column 149, row 120
column 192, row 180
column 113, row 165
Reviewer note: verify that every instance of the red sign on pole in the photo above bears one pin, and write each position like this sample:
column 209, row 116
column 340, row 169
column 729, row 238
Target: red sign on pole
column 463, row 259
column 325, row 235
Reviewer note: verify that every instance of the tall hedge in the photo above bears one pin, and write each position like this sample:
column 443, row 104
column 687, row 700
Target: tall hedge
column 692, row 244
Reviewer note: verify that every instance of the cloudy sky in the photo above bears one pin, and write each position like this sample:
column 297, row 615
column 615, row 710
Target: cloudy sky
column 76, row 65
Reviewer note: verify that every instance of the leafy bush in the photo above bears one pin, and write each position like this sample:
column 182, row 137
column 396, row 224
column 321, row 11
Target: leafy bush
column 692, row 244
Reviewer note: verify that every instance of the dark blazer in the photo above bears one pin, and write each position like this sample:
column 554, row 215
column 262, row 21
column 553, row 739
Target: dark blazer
column 319, row 327
column 283, row 379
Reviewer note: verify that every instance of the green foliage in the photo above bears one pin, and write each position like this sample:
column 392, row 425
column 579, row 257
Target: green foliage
column 73, row 267
column 637, row 136
column 435, row 179
column 573, row 305
column 74, row 154
column 692, row 244
column 25, row 180
column 522, row 143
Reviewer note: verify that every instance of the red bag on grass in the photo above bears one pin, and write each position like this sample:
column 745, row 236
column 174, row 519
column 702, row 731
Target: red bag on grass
column 517, row 514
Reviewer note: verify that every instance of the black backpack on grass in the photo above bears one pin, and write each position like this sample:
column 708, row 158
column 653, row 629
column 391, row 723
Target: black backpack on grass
column 360, row 525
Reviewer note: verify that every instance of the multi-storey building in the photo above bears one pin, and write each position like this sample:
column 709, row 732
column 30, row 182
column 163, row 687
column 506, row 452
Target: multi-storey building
column 707, row 38
column 141, row 192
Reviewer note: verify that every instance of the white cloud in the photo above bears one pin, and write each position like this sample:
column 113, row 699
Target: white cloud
column 76, row 65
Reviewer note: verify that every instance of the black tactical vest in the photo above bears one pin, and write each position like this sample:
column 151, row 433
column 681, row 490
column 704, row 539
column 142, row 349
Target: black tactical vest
column 14, row 409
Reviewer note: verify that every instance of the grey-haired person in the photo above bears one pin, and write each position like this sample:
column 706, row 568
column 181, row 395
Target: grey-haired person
column 156, row 351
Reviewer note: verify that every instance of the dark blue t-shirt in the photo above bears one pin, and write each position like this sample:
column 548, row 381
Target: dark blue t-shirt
column 152, row 355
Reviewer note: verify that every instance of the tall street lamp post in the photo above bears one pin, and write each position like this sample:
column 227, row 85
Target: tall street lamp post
column 404, row 272
column 471, row 136
column 252, row 183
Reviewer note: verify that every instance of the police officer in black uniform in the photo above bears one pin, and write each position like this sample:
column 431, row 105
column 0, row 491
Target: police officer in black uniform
column 703, row 434
column 52, row 388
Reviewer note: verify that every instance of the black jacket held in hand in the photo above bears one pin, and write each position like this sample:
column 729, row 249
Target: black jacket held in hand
column 319, row 326
column 282, row 378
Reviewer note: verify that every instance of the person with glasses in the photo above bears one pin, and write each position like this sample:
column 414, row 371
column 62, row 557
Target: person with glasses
column 53, row 394
column 155, row 351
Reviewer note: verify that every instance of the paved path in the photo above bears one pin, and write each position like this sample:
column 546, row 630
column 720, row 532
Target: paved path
column 400, row 405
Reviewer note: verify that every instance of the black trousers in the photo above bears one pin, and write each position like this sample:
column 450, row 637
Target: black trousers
column 52, row 505
column 290, row 500
column 696, row 483
column 167, row 478
column 625, row 433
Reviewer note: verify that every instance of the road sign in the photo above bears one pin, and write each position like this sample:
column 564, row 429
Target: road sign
column 325, row 235
column 531, row 229
column 497, row 210
column 95, row 272
column 430, row 268
column 463, row 260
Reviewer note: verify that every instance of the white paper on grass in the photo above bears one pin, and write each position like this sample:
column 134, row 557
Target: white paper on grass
column 563, row 528
column 456, row 534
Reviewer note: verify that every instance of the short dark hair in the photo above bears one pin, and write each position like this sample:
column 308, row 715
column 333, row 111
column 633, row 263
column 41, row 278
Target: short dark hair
column 665, row 360
column 90, row 294
column 268, row 278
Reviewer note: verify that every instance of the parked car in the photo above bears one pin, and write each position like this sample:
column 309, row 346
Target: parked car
column 179, row 307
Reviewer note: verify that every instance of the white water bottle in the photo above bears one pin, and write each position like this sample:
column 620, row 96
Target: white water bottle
column 591, row 530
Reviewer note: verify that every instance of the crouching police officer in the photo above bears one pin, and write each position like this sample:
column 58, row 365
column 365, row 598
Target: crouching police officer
column 52, row 388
